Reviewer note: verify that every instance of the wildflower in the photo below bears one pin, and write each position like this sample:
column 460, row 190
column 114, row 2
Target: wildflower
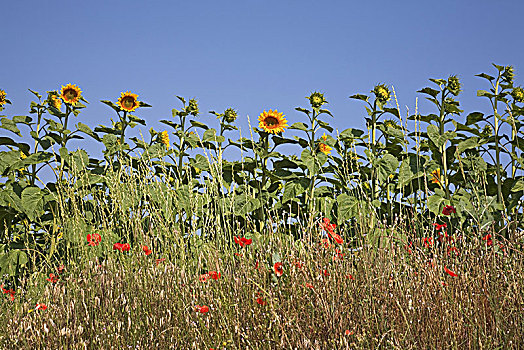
column 279, row 271
column 3, row 98
column 261, row 301
column 348, row 332
column 214, row 275
column 428, row 242
column 316, row 99
column 94, row 239
column 382, row 93
column 164, row 138
column 454, row 85
column 54, row 101
column 242, row 241
column 408, row 247
column 449, row 272
column 60, row 269
column 128, row 101
column 272, row 122
column 448, row 210
column 52, row 278
column 324, row 148
column 298, row 264
column 230, row 115
column 126, row 247
column 488, row 240
column 146, row 250
column 71, row 94
column 517, row 93
column 327, row 226
column 325, row 272
column 435, row 176
column 452, row 249
column 203, row 277
column 325, row 243
column 338, row 255
column 439, row 226
column 202, row 309
column 308, row 285
column 350, row 276
column 117, row 246
column 158, row 261
column 41, row 306
column 11, row 292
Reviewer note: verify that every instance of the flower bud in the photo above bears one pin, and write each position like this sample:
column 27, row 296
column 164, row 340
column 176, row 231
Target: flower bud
column 316, row 99
column 164, row 138
column 192, row 108
column 382, row 93
column 508, row 75
column 518, row 94
column 230, row 115
column 454, row 85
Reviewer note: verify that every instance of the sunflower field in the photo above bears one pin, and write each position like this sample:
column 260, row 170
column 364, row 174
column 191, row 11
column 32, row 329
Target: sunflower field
column 406, row 234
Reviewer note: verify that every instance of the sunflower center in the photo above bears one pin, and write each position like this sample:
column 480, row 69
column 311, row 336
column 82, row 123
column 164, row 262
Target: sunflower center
column 271, row 121
column 128, row 102
column 70, row 94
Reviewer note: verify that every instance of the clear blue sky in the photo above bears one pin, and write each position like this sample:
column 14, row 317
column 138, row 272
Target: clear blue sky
column 252, row 55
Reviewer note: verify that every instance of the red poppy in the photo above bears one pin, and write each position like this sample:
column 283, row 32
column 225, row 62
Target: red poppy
column 449, row 272
column 448, row 210
column 126, row 247
column 242, row 241
column 453, row 250
column 348, row 332
column 408, row 246
column 325, row 243
column 279, row 271
column 203, row 278
column 238, row 254
column 60, row 269
column 41, row 306
column 327, row 226
column 325, row 272
column 308, row 285
column 336, row 237
column 9, row 291
column 442, row 235
column 428, row 242
column 338, row 255
column 261, row 301
column 94, row 239
column 202, row 309
column 117, row 246
column 350, row 276
column 158, row 261
column 146, row 250
column 214, row 275
column 299, row 264
column 439, row 226
column 488, row 240
column 52, row 278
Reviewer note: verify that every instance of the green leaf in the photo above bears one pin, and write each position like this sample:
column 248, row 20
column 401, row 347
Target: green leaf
column 359, row 97
column 429, row 91
column 434, row 203
column 386, row 166
column 474, row 117
column 299, row 126
column 111, row 104
column 294, row 188
column 32, row 202
column 350, row 134
column 485, row 76
column 198, row 124
column 348, row 207
column 87, row 130
column 434, row 135
column 469, row 143
column 10, row 125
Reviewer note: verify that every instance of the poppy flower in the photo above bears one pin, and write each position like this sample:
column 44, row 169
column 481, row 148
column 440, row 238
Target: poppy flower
column 214, row 275
column 242, row 241
column 325, row 243
column 350, row 276
column 60, row 269
column 448, row 210
column 261, row 301
column 408, row 247
column 11, row 292
column 488, row 240
column 308, row 285
column 325, row 272
column 299, row 264
column 117, row 246
column 279, row 271
column 52, row 278
column 440, row 226
column 348, row 332
column 94, row 239
column 327, row 226
column 449, row 272
column 41, row 306
column 428, row 242
column 202, row 309
column 146, row 250
column 126, row 247
column 158, row 261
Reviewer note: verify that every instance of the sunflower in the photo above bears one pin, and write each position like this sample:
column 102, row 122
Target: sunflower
column 128, row 101
column 3, row 98
column 55, row 101
column 71, row 94
column 324, row 148
column 164, row 138
column 272, row 122
column 435, row 176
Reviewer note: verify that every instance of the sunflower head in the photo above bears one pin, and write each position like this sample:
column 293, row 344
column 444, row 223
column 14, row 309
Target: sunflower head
column 272, row 122
column 3, row 98
column 382, row 93
column 230, row 115
column 509, row 74
column 128, row 101
column 390, row 123
column 192, row 107
column 518, row 94
column 54, row 100
column 324, row 148
column 70, row 94
column 164, row 138
column 435, row 176
column 316, row 99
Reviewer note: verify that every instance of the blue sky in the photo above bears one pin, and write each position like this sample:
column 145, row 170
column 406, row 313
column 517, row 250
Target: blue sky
column 252, row 55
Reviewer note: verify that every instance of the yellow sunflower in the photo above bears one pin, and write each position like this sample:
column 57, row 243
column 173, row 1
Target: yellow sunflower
column 324, row 148
column 128, row 101
column 435, row 176
column 3, row 98
column 272, row 122
column 164, row 138
column 56, row 102
column 71, row 94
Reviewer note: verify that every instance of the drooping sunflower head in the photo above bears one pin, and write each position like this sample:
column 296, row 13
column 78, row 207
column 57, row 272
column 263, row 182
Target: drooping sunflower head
column 71, row 94
column 518, row 94
column 454, row 85
column 54, row 100
column 435, row 176
column 509, row 74
column 272, row 122
column 324, row 148
column 316, row 99
column 164, row 138
column 192, row 107
column 390, row 123
column 128, row 101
